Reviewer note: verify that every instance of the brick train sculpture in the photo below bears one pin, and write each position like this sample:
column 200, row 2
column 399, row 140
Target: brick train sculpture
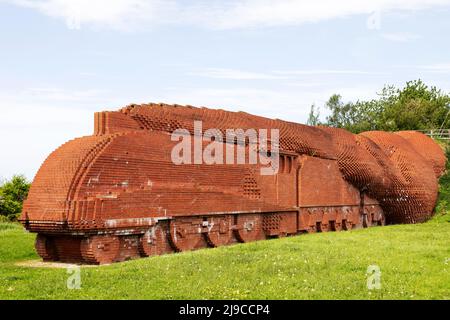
column 117, row 194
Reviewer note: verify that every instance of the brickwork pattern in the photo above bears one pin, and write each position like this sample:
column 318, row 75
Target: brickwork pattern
column 117, row 195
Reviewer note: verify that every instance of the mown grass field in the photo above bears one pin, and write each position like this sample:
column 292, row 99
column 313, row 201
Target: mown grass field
column 414, row 262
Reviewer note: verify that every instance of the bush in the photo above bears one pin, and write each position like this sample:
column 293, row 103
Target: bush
column 12, row 194
column 413, row 107
column 443, row 205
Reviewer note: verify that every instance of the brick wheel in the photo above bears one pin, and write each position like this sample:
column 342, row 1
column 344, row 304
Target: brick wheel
column 249, row 227
column 100, row 249
column 186, row 233
column 155, row 241
column 220, row 231
column 45, row 247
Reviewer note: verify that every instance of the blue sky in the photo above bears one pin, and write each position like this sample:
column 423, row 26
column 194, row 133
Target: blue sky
column 62, row 60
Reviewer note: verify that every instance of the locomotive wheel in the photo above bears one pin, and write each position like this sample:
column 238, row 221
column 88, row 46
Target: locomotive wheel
column 45, row 248
column 100, row 249
column 155, row 241
column 347, row 225
column 220, row 232
column 186, row 234
column 249, row 227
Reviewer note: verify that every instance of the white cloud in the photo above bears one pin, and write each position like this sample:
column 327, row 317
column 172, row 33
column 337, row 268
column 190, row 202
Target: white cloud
column 58, row 94
column 326, row 72
column 437, row 68
column 215, row 14
column 401, row 36
column 304, row 84
column 233, row 74
column 117, row 14
column 252, row 13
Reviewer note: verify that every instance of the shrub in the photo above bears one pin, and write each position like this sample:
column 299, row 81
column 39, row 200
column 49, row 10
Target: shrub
column 12, row 194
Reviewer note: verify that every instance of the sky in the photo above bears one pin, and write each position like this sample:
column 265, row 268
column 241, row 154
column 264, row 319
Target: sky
column 63, row 60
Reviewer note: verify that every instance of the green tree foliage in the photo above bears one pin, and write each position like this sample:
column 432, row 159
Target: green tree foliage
column 414, row 107
column 443, row 205
column 355, row 117
column 12, row 194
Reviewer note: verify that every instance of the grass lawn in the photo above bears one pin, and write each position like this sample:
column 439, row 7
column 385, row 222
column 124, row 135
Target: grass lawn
column 414, row 262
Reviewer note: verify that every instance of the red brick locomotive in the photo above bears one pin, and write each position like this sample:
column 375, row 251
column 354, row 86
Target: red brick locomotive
column 117, row 194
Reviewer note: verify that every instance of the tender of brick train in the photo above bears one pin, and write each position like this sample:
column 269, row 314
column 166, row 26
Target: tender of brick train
column 117, row 194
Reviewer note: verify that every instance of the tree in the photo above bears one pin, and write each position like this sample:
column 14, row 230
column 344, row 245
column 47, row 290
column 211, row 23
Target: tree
column 12, row 195
column 313, row 118
column 414, row 107
column 355, row 117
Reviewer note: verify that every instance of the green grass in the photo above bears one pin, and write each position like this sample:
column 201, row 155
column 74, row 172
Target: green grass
column 414, row 261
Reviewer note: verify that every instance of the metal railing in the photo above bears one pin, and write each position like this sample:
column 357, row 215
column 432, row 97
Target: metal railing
column 443, row 134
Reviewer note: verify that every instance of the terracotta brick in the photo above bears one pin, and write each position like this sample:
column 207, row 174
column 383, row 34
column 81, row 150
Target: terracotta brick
column 116, row 195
